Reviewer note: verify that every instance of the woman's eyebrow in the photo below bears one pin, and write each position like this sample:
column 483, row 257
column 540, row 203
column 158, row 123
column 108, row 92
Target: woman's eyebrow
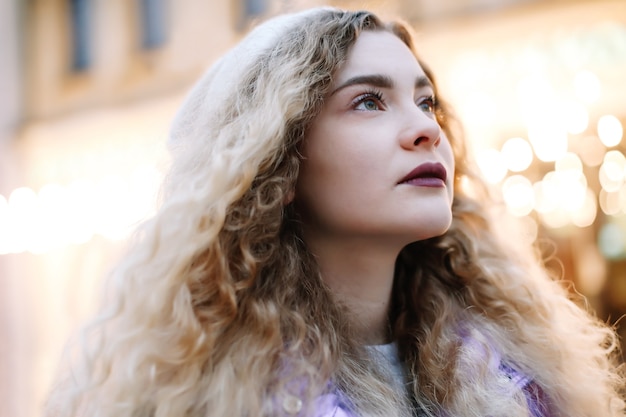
column 380, row 81
column 423, row 82
column 376, row 80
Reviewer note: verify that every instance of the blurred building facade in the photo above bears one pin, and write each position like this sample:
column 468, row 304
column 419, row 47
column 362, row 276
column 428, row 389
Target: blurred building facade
column 89, row 88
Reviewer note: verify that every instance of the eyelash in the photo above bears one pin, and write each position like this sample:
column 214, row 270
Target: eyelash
column 369, row 95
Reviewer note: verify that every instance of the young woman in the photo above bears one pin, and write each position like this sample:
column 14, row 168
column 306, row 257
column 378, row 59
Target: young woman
column 316, row 255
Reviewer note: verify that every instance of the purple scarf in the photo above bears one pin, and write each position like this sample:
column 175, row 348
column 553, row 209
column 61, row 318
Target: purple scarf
column 335, row 404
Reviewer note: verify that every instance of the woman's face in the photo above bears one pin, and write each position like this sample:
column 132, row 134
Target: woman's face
column 376, row 163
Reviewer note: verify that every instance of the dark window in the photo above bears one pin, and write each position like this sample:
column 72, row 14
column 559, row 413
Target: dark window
column 253, row 8
column 249, row 10
column 81, row 34
column 153, row 23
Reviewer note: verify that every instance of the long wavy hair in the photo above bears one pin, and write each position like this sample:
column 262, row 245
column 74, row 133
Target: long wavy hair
column 219, row 308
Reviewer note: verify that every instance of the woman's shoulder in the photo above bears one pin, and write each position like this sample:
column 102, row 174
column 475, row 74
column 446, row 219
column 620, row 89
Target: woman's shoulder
column 331, row 405
column 481, row 347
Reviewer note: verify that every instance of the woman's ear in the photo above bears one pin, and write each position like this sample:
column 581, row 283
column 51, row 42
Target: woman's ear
column 291, row 194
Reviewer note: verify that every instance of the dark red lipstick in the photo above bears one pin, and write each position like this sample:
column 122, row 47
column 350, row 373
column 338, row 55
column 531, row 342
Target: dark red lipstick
column 428, row 174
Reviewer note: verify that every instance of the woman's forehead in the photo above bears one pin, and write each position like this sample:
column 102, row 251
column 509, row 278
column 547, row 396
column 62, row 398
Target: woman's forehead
column 379, row 52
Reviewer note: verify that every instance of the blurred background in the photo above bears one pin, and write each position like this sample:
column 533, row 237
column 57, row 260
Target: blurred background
column 88, row 89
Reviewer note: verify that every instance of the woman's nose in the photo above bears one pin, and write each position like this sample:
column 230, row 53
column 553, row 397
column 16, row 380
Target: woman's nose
column 422, row 130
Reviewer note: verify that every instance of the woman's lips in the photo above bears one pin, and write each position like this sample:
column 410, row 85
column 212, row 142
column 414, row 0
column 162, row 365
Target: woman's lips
column 428, row 174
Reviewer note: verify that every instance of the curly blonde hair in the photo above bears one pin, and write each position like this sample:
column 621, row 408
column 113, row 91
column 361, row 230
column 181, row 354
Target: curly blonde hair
column 219, row 309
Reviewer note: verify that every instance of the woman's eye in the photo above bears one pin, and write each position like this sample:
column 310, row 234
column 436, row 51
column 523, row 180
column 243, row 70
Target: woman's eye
column 427, row 105
column 369, row 102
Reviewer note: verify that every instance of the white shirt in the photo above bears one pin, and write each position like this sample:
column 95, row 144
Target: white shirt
column 386, row 356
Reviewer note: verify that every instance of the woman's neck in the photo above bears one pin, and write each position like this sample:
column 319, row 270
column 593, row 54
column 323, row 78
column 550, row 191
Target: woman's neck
column 360, row 275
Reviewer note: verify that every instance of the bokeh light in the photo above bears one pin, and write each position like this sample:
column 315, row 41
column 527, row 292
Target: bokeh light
column 548, row 138
column 610, row 130
column 612, row 171
column 587, row 86
column 586, row 214
column 569, row 164
column 60, row 215
column 517, row 154
column 610, row 202
column 611, row 240
column 556, row 218
column 492, row 165
column 518, row 195
column 5, row 237
column 574, row 116
column 545, row 199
